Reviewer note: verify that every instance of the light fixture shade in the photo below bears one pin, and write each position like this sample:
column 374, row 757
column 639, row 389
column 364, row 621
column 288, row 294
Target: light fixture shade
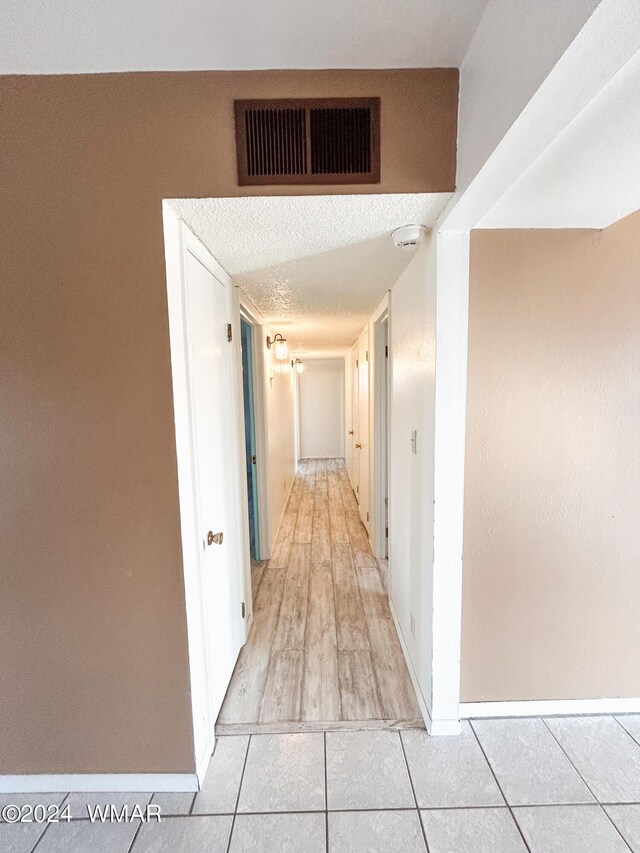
column 282, row 351
column 299, row 366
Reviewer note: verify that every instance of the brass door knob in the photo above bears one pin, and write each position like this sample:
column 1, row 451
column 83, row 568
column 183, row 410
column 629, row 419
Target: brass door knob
column 214, row 537
column 358, row 446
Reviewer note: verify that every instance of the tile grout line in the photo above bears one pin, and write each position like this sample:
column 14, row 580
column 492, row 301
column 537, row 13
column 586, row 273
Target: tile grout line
column 39, row 839
column 413, row 791
column 44, row 832
column 326, row 796
column 625, row 730
column 596, row 800
column 513, row 817
column 235, row 810
column 135, row 837
column 215, row 747
column 503, row 807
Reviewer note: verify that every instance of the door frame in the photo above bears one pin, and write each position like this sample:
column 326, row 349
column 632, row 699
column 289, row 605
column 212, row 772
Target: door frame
column 379, row 460
column 248, row 311
column 178, row 239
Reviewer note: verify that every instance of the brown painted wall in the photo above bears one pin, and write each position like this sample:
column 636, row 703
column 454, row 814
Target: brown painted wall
column 93, row 651
column 551, row 584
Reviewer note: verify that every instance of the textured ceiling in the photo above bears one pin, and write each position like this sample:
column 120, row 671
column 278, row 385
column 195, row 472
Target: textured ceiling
column 76, row 36
column 589, row 176
column 315, row 266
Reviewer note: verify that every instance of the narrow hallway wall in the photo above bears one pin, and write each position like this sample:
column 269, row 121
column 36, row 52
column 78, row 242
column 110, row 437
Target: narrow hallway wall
column 321, row 408
column 411, row 483
column 281, row 438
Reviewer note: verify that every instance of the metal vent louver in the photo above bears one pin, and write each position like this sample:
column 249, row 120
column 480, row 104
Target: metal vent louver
column 308, row 141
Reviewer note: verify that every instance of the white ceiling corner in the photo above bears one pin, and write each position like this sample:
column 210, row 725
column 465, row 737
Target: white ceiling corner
column 69, row 36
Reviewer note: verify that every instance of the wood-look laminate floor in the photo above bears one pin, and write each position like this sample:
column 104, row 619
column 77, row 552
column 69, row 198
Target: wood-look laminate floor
column 323, row 652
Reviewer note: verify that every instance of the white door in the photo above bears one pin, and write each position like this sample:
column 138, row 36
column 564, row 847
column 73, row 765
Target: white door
column 208, row 311
column 363, row 426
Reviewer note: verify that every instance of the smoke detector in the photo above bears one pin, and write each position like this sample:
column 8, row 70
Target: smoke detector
column 408, row 237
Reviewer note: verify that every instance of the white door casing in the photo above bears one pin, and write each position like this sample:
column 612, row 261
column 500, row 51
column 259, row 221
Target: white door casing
column 363, row 452
column 348, row 413
column 355, row 421
column 208, row 313
column 207, row 415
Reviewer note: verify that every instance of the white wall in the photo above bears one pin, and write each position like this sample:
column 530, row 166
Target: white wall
column 281, row 454
column 511, row 53
column 411, row 484
column 69, row 37
column 321, row 408
column 522, row 81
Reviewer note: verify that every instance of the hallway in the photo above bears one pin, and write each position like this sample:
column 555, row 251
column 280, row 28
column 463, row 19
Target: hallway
column 323, row 649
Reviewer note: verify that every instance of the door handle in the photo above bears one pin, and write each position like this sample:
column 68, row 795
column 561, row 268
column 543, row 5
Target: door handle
column 214, row 537
column 358, row 446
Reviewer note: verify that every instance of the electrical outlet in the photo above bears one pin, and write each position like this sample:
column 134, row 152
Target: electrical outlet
column 414, row 440
column 413, row 625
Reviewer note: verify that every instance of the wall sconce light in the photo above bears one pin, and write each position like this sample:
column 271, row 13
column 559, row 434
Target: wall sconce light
column 281, row 346
column 299, row 366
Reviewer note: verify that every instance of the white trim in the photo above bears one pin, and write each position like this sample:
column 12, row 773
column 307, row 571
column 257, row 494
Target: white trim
column 99, row 783
column 424, row 710
column 303, row 458
column 379, row 439
column 549, row 708
column 178, row 240
column 452, row 308
column 186, row 483
column 253, row 316
column 574, row 81
column 203, row 765
column 241, row 492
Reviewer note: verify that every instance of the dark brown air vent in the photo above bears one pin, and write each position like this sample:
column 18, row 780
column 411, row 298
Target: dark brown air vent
column 308, row 141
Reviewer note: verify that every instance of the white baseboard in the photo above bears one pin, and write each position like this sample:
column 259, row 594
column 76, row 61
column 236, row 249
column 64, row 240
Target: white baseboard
column 424, row 710
column 445, row 728
column 99, row 783
column 311, row 458
column 203, row 764
column 549, row 708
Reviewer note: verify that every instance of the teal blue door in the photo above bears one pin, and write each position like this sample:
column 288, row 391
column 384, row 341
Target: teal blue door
column 250, row 437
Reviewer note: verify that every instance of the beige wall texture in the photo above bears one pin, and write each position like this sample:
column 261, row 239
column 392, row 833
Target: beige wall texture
column 551, row 586
column 93, row 647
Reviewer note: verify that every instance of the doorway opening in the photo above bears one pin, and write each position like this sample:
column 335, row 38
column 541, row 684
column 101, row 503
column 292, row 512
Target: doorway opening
column 323, row 645
column 380, row 412
column 250, row 448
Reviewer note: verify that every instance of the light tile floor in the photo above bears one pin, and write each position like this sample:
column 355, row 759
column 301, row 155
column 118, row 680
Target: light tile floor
column 556, row 785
